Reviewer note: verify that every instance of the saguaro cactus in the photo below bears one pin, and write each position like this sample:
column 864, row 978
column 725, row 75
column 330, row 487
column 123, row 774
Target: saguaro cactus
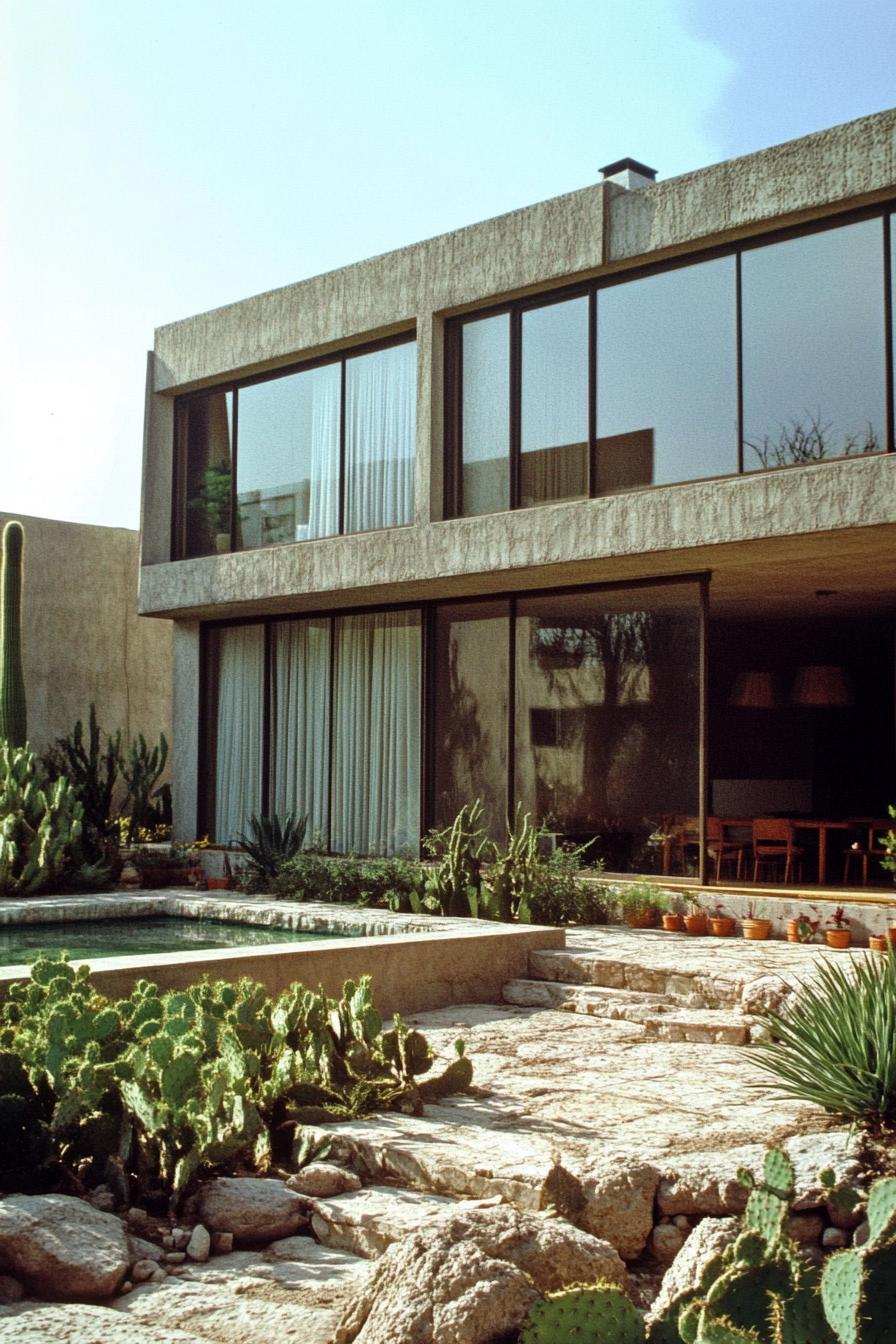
column 13, row 720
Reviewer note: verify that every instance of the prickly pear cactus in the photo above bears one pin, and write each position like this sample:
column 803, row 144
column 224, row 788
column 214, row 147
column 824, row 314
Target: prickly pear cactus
column 858, row 1287
column 40, row 823
column 589, row 1315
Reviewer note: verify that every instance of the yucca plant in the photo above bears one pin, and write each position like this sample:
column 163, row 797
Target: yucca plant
column 836, row 1046
column 273, row 843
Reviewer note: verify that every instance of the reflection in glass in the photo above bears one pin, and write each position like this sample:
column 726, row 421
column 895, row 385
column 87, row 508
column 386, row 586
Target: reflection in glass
column 300, row 722
column 554, row 409
column 813, row 347
column 288, row 464
column 607, row 714
column 237, row 719
column 205, row 452
column 380, row 432
column 667, row 377
column 485, row 382
column 375, row 789
column 471, row 711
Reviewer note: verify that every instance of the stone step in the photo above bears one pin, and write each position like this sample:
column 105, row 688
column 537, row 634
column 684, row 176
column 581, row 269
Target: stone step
column 661, row 1018
column 364, row 1222
column 695, row 988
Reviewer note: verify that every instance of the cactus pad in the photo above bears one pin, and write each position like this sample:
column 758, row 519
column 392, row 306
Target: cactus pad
column 598, row 1315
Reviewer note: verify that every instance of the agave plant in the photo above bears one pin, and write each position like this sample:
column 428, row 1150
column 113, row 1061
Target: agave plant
column 272, row 842
column 837, row 1045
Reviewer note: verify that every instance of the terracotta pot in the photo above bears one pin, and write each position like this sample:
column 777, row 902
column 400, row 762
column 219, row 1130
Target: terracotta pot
column 891, row 934
column 673, row 923
column 722, row 926
column 837, row 937
column 695, row 925
column 218, row 883
column 757, row 930
column 878, row 942
column 639, row 919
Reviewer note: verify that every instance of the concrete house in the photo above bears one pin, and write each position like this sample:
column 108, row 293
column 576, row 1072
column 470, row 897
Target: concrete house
column 589, row 508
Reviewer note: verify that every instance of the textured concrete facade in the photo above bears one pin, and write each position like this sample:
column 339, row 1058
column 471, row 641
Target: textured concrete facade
column 778, row 535
column 83, row 640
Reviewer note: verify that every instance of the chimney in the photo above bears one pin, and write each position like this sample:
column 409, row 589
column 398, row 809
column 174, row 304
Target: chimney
column 629, row 173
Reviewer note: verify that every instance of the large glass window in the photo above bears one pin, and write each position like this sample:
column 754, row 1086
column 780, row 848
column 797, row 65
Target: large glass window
column 813, row 347
column 782, row 345
column 381, row 400
column 288, row 462
column 554, row 410
column 235, row 717
column 204, row 429
column 472, row 670
column 485, row 382
column 667, row 377
column 324, row 450
column 607, row 714
column 300, row 722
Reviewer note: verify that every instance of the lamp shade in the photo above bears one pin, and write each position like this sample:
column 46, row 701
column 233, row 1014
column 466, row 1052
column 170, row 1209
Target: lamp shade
column 822, row 686
column 755, row 690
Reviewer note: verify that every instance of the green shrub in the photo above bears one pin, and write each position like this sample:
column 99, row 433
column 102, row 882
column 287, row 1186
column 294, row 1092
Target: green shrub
column 836, row 1046
column 561, row 896
column 272, row 843
column 146, row 1091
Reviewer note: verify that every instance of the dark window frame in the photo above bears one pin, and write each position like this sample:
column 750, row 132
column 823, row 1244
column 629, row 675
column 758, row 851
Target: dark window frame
column 234, row 385
column 453, row 363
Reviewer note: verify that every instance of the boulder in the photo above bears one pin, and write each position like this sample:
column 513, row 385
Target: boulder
column 618, row 1204
column 68, row 1323
column 199, row 1246
column 471, row 1276
column 59, row 1246
column 322, row 1180
column 765, row 994
column 682, row 1278
column 255, row 1210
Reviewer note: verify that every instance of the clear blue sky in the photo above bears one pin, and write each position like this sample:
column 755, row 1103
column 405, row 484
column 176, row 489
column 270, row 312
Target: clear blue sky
column 161, row 159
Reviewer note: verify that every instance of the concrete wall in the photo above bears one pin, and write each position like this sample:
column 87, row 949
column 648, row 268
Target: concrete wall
column 83, row 639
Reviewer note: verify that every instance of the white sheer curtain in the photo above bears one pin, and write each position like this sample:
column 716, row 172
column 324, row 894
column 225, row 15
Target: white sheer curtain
column 380, row 428
column 239, row 727
column 300, row 721
column 376, row 749
column 323, row 456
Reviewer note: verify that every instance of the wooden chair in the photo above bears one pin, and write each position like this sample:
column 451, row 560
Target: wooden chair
column 773, row 845
column 865, row 853
column 686, row 844
column 722, row 848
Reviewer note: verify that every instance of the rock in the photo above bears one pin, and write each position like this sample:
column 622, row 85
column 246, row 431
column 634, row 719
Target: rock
column 861, row 1234
column 619, row 1205
column 10, row 1290
column 67, row 1323
column 141, row 1249
column 199, row 1245
column 666, row 1240
column 147, row 1271
column 682, row 1223
column 834, row 1239
column 222, row 1243
column 842, row 1217
column 179, row 1238
column 766, row 994
column 60, row 1246
column 322, row 1180
column 126, row 1287
column 174, row 1257
column 137, row 1217
column 709, row 1238
column 470, row 1277
column 806, row 1228
column 254, row 1210
column 102, row 1198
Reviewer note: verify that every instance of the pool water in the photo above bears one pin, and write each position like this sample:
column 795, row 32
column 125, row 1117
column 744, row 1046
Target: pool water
column 23, row 943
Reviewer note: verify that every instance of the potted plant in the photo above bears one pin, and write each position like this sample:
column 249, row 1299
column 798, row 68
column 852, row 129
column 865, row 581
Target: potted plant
column 214, row 500
column 695, row 920
column 673, row 920
column 721, row 924
column 838, row 935
column 640, row 906
column 802, row 928
column 754, row 928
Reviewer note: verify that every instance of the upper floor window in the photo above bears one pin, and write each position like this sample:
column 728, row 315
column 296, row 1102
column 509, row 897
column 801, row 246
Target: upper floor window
column 766, row 355
column 326, row 449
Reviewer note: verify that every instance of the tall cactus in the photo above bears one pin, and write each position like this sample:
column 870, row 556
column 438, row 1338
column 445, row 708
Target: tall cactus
column 13, row 719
